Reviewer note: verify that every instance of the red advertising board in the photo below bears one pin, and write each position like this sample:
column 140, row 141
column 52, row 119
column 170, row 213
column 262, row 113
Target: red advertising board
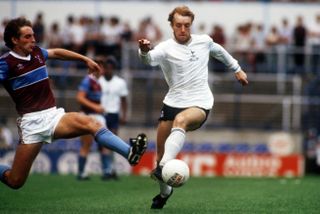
column 213, row 164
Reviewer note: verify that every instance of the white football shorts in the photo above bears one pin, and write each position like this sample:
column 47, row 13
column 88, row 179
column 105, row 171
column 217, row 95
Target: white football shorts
column 36, row 127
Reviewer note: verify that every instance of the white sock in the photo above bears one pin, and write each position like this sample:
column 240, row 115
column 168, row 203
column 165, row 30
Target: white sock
column 173, row 145
column 165, row 189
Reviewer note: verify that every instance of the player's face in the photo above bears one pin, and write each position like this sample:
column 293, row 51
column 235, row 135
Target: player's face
column 26, row 42
column 181, row 26
column 108, row 71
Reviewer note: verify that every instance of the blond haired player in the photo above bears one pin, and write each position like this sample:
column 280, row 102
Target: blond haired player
column 184, row 62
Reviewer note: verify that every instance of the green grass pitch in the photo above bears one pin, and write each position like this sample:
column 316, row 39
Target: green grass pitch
column 133, row 194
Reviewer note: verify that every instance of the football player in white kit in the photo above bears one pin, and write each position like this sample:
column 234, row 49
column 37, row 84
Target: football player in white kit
column 184, row 62
column 114, row 101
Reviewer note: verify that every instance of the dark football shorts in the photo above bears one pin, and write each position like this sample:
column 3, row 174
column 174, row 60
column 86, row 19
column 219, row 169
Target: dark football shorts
column 169, row 113
column 112, row 120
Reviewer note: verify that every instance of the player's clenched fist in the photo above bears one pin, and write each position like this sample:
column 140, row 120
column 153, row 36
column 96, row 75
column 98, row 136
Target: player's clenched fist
column 144, row 45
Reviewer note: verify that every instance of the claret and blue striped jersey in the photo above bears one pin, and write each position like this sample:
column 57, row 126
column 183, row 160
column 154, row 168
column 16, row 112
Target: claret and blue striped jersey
column 26, row 80
column 92, row 88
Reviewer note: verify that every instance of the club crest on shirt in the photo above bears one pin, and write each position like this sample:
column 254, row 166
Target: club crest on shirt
column 193, row 57
column 20, row 66
column 39, row 59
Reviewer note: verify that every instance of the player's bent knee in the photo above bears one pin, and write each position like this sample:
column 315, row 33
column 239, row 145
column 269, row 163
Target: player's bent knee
column 94, row 125
column 15, row 183
column 16, row 186
column 180, row 121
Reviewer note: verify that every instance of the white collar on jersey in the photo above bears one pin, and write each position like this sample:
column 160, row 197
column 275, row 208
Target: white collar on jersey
column 28, row 58
column 185, row 44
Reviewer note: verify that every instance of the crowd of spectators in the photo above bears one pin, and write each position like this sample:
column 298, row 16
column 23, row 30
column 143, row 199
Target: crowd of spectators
column 90, row 36
column 252, row 43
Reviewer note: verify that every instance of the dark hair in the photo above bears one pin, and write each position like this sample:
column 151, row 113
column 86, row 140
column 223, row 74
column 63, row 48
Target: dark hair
column 12, row 30
column 183, row 11
column 109, row 60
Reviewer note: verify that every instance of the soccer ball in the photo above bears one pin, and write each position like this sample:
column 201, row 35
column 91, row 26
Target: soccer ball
column 175, row 173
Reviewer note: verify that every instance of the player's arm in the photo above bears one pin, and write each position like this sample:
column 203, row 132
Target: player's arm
column 82, row 99
column 144, row 48
column 218, row 52
column 59, row 53
column 148, row 55
column 4, row 70
column 124, row 108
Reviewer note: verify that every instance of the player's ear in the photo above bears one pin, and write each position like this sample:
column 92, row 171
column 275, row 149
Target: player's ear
column 14, row 40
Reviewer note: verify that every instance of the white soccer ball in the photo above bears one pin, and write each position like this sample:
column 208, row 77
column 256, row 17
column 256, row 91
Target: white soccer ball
column 175, row 173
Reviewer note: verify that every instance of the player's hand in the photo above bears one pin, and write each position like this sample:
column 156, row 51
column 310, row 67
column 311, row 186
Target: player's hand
column 241, row 76
column 144, row 45
column 99, row 109
column 94, row 68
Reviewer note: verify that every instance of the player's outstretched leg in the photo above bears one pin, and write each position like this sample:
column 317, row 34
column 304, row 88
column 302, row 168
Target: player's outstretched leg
column 133, row 153
column 156, row 174
column 159, row 200
column 138, row 148
column 166, row 191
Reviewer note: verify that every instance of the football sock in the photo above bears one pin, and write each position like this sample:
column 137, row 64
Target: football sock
column 106, row 138
column 3, row 168
column 106, row 162
column 165, row 189
column 82, row 163
column 173, row 145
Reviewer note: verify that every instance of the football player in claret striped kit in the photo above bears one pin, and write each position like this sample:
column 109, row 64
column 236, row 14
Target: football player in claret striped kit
column 23, row 73
column 104, row 99
column 89, row 98
column 184, row 62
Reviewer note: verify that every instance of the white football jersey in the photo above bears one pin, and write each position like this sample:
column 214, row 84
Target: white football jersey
column 185, row 68
column 112, row 91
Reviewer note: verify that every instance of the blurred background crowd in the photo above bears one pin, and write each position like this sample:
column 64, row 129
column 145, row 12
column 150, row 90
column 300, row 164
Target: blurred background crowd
column 290, row 47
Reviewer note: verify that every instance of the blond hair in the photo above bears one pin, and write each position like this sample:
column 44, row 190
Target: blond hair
column 181, row 10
